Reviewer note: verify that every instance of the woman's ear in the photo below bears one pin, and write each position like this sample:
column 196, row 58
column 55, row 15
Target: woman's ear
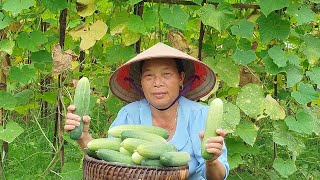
column 182, row 76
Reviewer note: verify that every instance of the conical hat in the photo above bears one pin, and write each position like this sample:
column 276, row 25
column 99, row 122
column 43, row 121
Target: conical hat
column 121, row 86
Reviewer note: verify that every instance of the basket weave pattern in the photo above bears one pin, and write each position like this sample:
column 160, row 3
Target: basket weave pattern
column 94, row 169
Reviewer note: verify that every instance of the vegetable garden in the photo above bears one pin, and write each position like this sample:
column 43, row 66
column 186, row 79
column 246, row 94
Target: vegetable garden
column 266, row 55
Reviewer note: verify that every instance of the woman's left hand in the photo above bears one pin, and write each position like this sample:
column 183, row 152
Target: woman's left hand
column 214, row 144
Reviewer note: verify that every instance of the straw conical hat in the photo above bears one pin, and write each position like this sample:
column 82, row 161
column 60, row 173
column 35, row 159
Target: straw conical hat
column 130, row 71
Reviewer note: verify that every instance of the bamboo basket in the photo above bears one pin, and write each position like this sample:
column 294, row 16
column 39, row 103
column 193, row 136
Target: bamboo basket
column 94, row 169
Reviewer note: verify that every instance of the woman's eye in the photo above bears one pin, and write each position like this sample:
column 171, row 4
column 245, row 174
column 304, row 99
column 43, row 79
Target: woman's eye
column 167, row 75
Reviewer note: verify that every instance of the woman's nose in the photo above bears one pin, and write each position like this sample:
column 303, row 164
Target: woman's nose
column 158, row 81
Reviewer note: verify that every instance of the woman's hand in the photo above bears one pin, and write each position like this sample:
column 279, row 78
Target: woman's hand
column 214, row 144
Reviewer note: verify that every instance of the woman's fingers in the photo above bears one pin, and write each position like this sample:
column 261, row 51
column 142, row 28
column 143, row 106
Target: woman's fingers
column 86, row 122
column 71, row 108
column 73, row 117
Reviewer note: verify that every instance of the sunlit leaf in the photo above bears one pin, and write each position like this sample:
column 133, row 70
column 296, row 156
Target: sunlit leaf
column 119, row 22
column 294, row 75
column 284, row 168
column 271, row 5
column 180, row 19
column 302, row 123
column 273, row 27
column 273, row 108
column 314, row 75
column 7, row 100
column 302, row 13
column 312, row 48
column 219, row 18
column 16, row 6
column 135, row 24
column 234, row 161
column 6, row 46
column 244, row 29
column 25, row 109
column 304, row 94
column 129, row 37
column 278, row 56
column 250, row 100
column 4, row 21
column 85, row 10
column 231, row 117
column 12, row 131
column 244, row 57
column 247, row 131
column 22, row 75
column 71, row 171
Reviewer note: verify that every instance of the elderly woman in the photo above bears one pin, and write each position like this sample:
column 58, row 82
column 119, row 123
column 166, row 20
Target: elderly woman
column 160, row 84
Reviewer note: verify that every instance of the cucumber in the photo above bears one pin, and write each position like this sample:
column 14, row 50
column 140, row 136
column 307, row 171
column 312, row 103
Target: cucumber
column 214, row 121
column 153, row 150
column 142, row 135
column 175, row 158
column 131, row 144
column 91, row 153
column 104, row 143
column 151, row 162
column 81, row 102
column 114, row 156
column 137, row 158
column 124, row 151
column 117, row 130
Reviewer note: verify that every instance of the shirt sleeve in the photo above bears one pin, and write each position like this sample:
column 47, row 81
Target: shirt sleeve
column 123, row 117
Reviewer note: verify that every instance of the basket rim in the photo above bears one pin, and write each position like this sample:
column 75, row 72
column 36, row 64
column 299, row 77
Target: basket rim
column 171, row 168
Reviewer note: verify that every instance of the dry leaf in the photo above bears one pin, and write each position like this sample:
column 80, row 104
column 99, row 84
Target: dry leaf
column 62, row 60
column 178, row 40
column 85, row 10
column 79, row 31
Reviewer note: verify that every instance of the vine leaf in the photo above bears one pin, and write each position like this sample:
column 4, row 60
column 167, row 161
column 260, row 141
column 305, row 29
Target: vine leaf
column 314, row 75
column 312, row 48
column 31, row 42
column 272, row 27
column 62, row 60
column 12, row 131
column 150, row 19
column 231, row 117
column 278, row 56
column 133, row 2
column 118, row 54
column 302, row 123
column 4, row 20
column 42, row 60
column 220, row 18
column 24, row 97
column 273, row 108
column 243, row 28
column 250, row 100
column 129, row 37
column 294, row 75
column 271, row 5
column 118, row 23
column 244, row 57
column 135, row 24
column 234, row 160
column 180, row 19
column 56, row 5
column 7, row 101
column 86, row 7
column 6, row 46
column 226, row 69
column 16, row 6
column 247, row 132
column 305, row 93
column 22, row 75
column 270, row 66
column 284, row 168
column 302, row 13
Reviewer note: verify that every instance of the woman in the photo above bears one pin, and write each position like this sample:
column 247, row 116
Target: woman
column 160, row 84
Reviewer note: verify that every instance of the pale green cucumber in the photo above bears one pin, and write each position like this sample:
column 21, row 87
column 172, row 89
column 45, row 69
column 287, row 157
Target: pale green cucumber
column 131, row 144
column 153, row 150
column 142, row 135
column 104, row 143
column 113, row 156
column 175, row 158
column 117, row 130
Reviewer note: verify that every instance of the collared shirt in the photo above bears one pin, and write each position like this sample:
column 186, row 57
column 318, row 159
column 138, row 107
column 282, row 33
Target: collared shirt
column 191, row 120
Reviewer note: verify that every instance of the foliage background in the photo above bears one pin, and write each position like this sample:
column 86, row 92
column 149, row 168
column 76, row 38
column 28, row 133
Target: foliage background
column 265, row 53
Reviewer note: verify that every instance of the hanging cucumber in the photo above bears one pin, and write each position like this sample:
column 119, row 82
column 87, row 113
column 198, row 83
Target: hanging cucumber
column 214, row 121
column 81, row 102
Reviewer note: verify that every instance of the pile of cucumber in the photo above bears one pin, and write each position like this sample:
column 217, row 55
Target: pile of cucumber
column 138, row 145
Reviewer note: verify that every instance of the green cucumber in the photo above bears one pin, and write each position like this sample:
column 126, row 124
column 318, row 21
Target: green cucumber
column 175, row 158
column 124, row 151
column 81, row 102
column 131, row 144
column 214, row 121
column 117, row 130
column 104, row 143
column 142, row 135
column 90, row 153
column 151, row 162
column 153, row 150
column 137, row 158
column 114, row 156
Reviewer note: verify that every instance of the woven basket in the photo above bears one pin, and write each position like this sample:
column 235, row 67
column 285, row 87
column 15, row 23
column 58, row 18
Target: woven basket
column 95, row 169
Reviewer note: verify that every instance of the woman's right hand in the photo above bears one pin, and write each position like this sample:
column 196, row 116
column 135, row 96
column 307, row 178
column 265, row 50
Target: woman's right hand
column 73, row 120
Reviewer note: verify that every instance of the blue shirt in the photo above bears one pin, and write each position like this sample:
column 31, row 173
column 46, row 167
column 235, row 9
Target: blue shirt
column 191, row 120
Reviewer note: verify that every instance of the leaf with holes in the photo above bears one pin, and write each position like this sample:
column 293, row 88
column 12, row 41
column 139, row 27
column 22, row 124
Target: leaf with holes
column 244, row 57
column 304, row 94
column 180, row 19
column 314, row 75
column 244, row 29
column 7, row 100
column 16, row 6
column 284, row 168
column 302, row 123
column 271, row 5
column 273, row 108
column 247, row 131
column 278, row 56
column 302, row 13
column 231, row 117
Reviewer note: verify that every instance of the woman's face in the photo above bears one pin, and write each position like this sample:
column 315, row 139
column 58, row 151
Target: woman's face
column 161, row 81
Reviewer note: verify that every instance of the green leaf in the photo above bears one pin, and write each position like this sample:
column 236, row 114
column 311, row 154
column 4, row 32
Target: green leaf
column 302, row 123
column 284, row 168
column 16, row 6
column 244, row 57
column 7, row 100
column 24, row 97
column 314, row 75
column 4, row 21
column 150, row 19
column 271, row 5
column 227, row 70
column 219, row 18
column 50, row 97
column 22, row 75
column 12, row 131
column 250, row 100
column 135, row 24
column 244, row 29
column 71, row 171
column 271, row 67
column 133, row 2
column 42, row 60
column 56, row 5
column 294, row 75
column 6, row 46
column 234, row 161
column 31, row 42
column 119, row 22
column 302, row 13
column 129, row 37
column 118, row 54
column 247, row 131
column 312, row 48
column 273, row 27
column 305, row 93
column 180, row 19
column 273, row 108
column 278, row 56
column 293, row 59
column 231, row 117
